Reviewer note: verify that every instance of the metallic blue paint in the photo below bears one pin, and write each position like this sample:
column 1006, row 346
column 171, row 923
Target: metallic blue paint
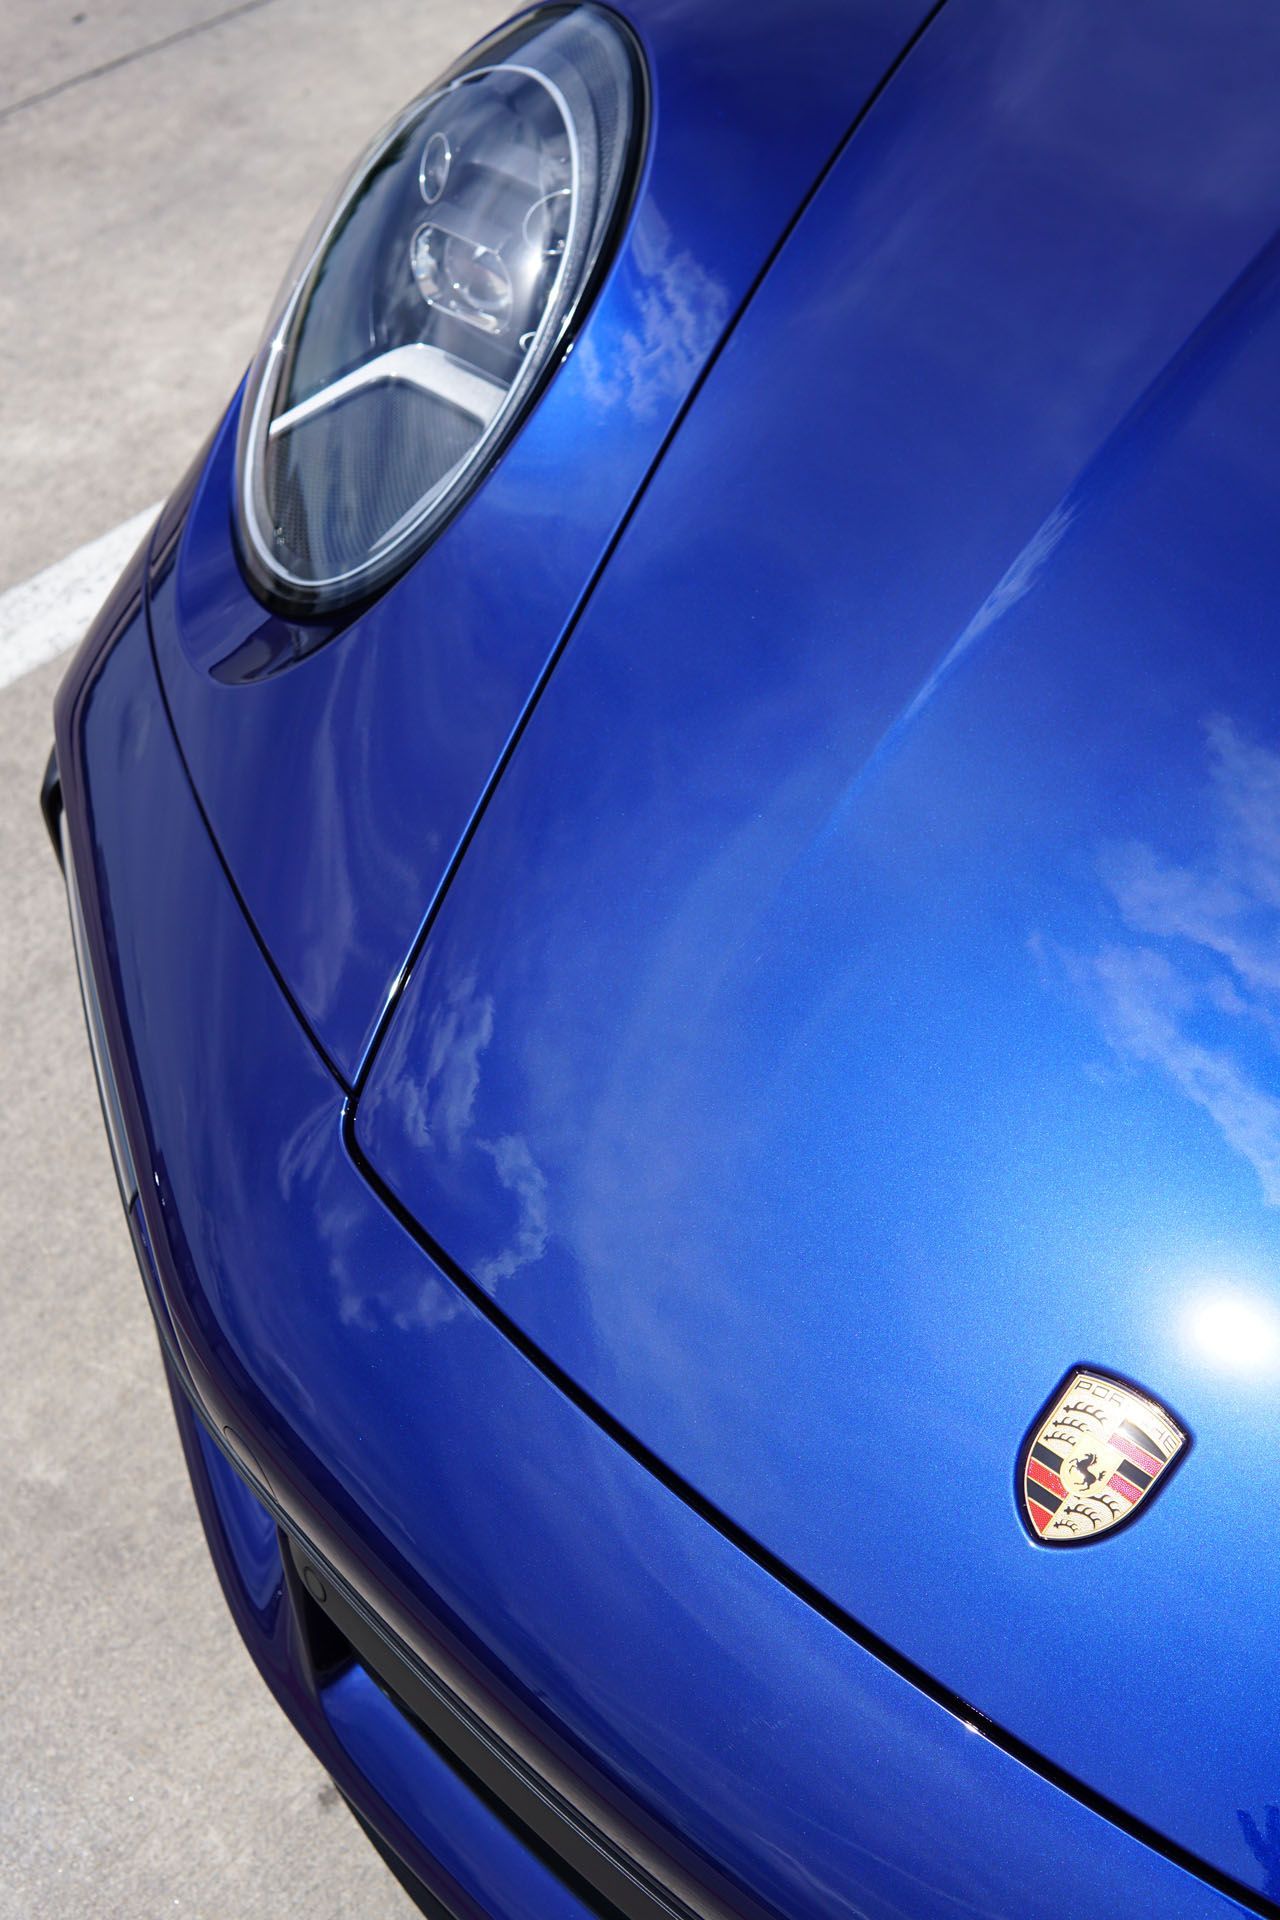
column 856, row 1003
column 340, row 786
column 456, row 1844
column 451, row 1482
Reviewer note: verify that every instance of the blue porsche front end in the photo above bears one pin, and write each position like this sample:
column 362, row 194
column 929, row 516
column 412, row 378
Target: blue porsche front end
column 642, row 1043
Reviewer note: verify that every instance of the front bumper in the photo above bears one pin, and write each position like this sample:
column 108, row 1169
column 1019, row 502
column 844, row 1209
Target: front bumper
column 719, row 1742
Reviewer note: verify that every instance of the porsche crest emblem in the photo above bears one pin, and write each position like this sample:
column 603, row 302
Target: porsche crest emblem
column 1093, row 1459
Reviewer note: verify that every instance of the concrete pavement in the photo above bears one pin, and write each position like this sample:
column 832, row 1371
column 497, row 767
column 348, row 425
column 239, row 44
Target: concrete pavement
column 151, row 210
column 161, row 158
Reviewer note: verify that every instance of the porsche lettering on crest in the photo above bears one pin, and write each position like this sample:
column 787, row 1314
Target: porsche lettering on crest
column 1091, row 1462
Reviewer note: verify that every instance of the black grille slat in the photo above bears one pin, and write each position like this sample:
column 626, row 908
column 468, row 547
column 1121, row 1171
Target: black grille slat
column 601, row 1872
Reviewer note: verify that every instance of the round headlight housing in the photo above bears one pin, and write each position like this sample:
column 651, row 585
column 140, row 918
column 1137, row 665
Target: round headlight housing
column 434, row 295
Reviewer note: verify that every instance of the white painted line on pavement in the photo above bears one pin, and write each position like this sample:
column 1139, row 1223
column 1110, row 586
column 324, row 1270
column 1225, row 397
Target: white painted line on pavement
column 44, row 615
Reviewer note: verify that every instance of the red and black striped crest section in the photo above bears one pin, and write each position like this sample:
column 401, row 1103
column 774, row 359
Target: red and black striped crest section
column 1143, row 1463
column 1044, row 1489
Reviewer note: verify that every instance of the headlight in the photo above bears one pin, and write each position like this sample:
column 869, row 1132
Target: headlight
column 439, row 291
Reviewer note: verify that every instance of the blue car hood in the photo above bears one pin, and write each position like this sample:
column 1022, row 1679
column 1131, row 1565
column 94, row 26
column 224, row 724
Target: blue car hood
column 859, row 1001
column 338, row 779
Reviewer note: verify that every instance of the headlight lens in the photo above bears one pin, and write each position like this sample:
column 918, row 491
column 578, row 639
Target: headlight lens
column 435, row 293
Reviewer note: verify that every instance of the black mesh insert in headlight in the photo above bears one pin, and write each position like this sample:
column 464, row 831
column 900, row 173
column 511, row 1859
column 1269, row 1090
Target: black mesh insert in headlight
column 337, row 481
column 436, row 296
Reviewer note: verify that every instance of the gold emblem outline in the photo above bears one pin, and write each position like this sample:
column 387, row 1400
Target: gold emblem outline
column 1110, row 1377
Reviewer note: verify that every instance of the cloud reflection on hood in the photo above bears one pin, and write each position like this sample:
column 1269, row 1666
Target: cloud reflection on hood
column 1195, row 1005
